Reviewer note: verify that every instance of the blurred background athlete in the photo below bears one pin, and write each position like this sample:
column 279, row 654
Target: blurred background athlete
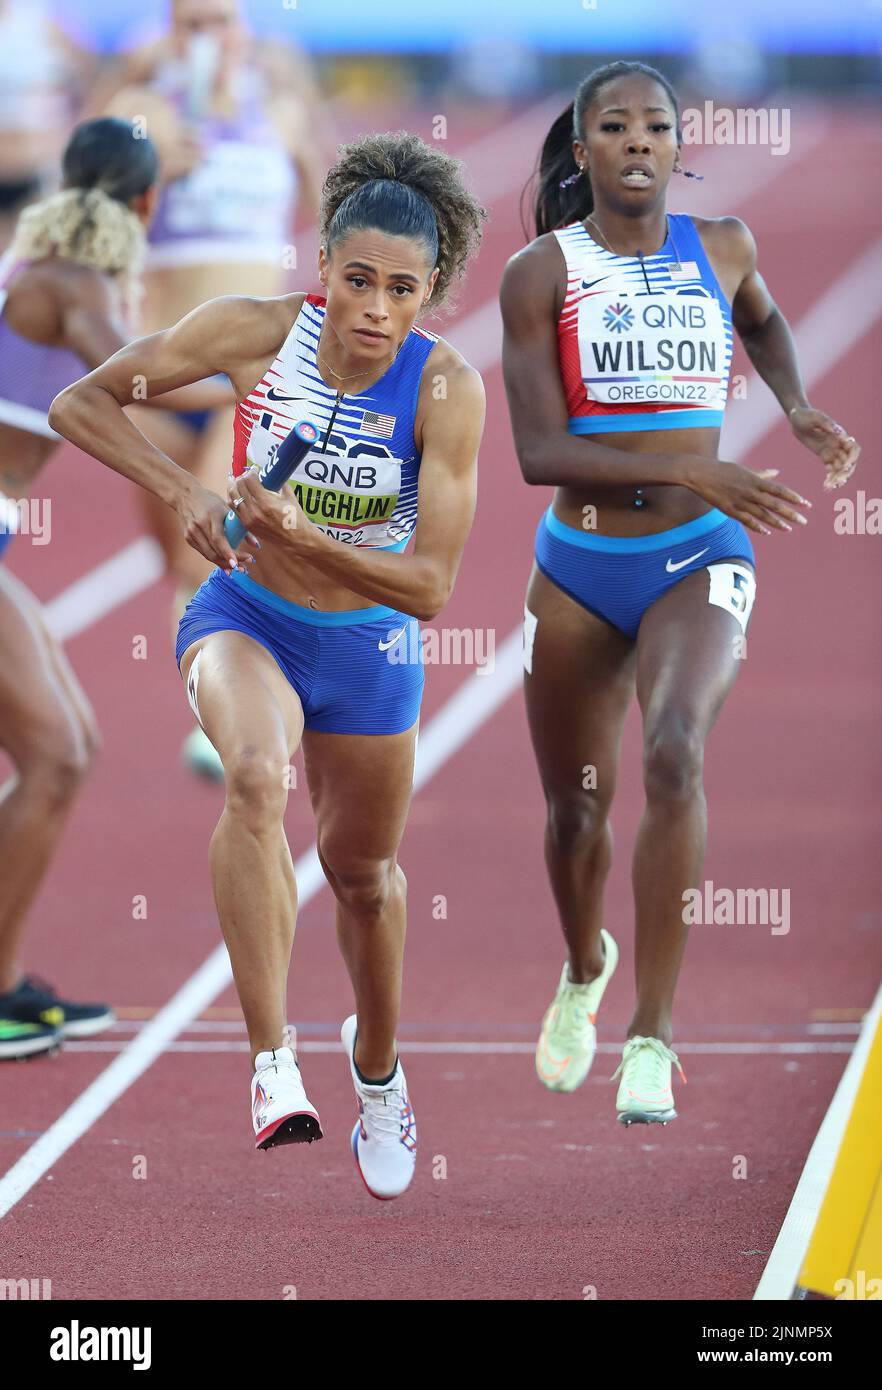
column 67, row 287
column 236, row 123
column 44, row 75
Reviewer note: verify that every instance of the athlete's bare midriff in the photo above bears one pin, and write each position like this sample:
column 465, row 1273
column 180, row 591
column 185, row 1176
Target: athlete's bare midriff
column 298, row 582
column 663, row 507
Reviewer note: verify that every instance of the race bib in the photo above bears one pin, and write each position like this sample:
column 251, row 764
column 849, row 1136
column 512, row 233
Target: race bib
column 350, row 489
column 664, row 347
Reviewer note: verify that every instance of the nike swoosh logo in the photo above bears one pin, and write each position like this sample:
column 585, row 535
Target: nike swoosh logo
column 274, row 395
column 589, row 284
column 384, row 646
column 670, row 566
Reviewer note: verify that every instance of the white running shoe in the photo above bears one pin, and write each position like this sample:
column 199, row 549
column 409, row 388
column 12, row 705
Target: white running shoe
column 384, row 1140
column 280, row 1110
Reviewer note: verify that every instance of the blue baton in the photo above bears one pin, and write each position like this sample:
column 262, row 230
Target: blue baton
column 275, row 474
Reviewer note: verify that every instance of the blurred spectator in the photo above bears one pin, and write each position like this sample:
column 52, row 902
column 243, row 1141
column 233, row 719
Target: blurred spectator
column 42, row 77
column 239, row 127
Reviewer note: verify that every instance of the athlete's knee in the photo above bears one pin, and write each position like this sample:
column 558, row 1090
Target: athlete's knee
column 256, row 785
column 578, row 817
column 53, row 764
column 363, row 887
column 673, row 758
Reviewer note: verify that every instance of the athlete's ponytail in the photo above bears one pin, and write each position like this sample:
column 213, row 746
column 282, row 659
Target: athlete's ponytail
column 396, row 183
column 105, row 165
column 564, row 193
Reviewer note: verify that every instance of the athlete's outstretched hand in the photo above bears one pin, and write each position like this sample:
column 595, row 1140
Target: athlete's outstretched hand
column 838, row 451
column 751, row 498
column 202, row 514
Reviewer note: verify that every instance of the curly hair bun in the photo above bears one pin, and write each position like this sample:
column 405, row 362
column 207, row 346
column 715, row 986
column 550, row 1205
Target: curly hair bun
column 396, row 183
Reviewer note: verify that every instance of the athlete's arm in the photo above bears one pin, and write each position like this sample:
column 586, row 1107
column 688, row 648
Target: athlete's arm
column 300, row 139
column 420, row 583
column 300, row 113
column 549, row 455
column 770, row 346
column 219, row 336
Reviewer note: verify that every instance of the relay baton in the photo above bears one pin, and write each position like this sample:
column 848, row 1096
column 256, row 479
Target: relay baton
column 276, row 472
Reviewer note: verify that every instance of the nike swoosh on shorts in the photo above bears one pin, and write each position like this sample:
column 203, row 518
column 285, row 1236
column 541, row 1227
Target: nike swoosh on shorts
column 670, row 566
column 384, row 646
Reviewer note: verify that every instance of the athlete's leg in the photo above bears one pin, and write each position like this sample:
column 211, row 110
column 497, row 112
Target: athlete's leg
column 688, row 655
column 577, row 694
column 360, row 787
column 49, row 732
column 254, row 718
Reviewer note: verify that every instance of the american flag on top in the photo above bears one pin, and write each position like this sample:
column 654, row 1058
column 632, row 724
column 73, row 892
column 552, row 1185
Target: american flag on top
column 381, row 425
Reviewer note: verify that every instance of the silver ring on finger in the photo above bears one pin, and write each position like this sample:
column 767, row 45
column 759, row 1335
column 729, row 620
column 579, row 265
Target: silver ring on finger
column 237, row 501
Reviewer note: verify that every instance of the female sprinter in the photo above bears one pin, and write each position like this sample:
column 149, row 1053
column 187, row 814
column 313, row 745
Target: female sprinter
column 64, row 287
column 618, row 326
column 304, row 647
column 234, row 121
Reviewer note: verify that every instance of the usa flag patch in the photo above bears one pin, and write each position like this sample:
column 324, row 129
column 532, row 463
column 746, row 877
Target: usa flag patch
column 381, row 425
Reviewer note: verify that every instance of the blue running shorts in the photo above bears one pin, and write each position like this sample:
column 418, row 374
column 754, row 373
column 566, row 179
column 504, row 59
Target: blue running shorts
column 359, row 671
column 618, row 577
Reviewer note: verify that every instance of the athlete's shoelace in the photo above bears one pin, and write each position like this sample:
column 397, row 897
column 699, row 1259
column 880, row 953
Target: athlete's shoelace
column 383, row 1114
column 653, row 1053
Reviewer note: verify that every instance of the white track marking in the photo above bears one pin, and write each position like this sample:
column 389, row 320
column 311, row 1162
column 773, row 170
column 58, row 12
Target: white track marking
column 318, row 1029
column 782, row 1270
column 487, row 694
column 108, row 586
column 492, row 1049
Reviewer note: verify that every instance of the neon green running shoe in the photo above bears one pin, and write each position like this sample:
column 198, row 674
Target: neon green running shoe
column 568, row 1039
column 645, row 1096
column 19, row 1039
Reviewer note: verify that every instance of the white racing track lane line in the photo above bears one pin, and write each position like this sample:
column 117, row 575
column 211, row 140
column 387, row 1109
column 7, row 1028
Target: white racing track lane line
column 492, row 1049
column 326, row 1029
column 478, row 698
column 108, row 586
column 779, row 1277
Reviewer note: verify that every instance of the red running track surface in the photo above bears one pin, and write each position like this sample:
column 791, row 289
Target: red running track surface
column 544, row 1195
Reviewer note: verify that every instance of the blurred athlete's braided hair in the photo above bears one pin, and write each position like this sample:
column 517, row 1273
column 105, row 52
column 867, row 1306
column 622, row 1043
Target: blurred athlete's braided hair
column 105, row 165
column 564, row 194
column 398, row 184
